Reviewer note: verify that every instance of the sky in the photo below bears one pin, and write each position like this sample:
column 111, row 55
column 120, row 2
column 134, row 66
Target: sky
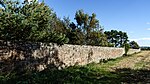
column 131, row 16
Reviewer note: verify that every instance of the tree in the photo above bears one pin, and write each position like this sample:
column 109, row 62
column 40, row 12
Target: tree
column 98, row 39
column 90, row 27
column 118, row 38
column 75, row 35
column 134, row 45
column 30, row 21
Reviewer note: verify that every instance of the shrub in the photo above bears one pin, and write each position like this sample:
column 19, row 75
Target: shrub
column 126, row 47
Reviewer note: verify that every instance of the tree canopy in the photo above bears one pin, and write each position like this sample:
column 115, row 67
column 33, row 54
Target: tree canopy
column 28, row 22
column 91, row 29
column 118, row 38
column 34, row 21
column 134, row 45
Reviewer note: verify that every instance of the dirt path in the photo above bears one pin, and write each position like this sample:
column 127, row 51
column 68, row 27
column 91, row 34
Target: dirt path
column 137, row 61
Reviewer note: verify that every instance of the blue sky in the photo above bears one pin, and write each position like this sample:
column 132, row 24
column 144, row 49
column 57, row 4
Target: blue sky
column 131, row 16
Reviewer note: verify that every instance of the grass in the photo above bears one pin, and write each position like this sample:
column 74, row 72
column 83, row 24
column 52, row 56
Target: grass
column 145, row 61
column 76, row 74
column 89, row 74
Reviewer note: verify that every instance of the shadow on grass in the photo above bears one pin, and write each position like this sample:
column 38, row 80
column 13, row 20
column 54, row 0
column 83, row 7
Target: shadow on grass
column 80, row 75
column 134, row 76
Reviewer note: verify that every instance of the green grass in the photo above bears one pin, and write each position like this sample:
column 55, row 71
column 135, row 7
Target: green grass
column 76, row 74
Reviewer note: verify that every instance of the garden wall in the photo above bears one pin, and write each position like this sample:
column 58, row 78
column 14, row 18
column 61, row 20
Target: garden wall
column 38, row 56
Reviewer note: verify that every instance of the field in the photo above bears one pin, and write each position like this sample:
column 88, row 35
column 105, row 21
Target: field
column 125, row 70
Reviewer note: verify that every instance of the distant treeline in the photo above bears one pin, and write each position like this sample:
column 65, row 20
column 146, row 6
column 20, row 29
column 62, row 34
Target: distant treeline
column 34, row 21
column 145, row 48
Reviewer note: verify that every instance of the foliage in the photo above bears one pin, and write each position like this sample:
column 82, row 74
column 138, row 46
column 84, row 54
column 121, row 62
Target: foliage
column 86, row 22
column 29, row 21
column 145, row 48
column 98, row 39
column 34, row 21
column 110, row 45
column 90, row 28
column 75, row 35
column 134, row 45
column 118, row 38
column 126, row 47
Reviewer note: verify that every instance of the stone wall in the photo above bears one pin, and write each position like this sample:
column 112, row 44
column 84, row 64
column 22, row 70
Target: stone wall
column 132, row 51
column 38, row 56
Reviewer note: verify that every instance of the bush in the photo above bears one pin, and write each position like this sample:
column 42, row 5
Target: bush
column 126, row 47
column 134, row 45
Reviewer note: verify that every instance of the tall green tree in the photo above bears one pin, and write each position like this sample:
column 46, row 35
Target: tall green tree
column 28, row 21
column 118, row 38
column 89, row 25
column 134, row 45
column 75, row 35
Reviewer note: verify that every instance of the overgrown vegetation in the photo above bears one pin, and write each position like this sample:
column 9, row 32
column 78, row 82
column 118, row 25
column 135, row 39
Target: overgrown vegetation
column 127, row 47
column 34, row 21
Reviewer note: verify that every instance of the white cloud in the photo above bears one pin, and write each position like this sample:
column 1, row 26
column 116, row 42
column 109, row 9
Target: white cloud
column 131, row 32
column 148, row 23
column 148, row 39
column 148, row 28
column 140, row 39
column 133, row 39
column 145, row 45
